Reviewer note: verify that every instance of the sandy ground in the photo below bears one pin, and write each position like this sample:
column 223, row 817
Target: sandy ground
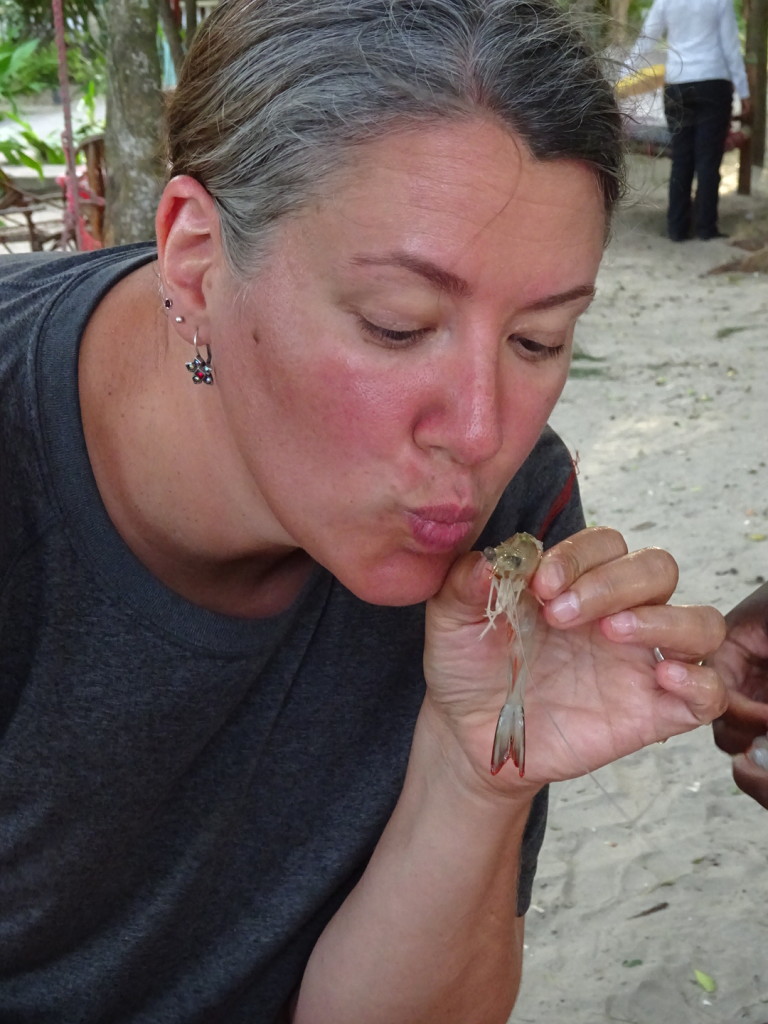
column 657, row 867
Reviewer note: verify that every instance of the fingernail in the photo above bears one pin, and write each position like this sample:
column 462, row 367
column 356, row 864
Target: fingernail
column 758, row 752
column 482, row 574
column 482, row 569
column 675, row 671
column 552, row 576
column 624, row 623
column 565, row 607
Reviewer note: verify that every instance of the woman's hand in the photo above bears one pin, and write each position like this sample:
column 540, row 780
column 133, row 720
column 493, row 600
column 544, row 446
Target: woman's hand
column 596, row 692
column 742, row 661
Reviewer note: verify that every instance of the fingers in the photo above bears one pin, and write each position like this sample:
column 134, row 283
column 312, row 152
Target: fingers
column 686, row 633
column 464, row 594
column 591, row 575
column 742, row 721
column 752, row 611
column 699, row 688
column 564, row 563
column 752, row 779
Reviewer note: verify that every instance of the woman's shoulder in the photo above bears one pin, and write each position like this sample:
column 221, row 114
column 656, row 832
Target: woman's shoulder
column 549, row 465
column 543, row 496
column 20, row 272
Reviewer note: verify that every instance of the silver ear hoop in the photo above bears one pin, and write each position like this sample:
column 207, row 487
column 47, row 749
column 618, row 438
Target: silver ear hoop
column 201, row 369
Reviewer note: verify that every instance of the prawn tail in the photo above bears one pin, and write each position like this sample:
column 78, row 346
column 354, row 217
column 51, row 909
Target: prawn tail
column 509, row 740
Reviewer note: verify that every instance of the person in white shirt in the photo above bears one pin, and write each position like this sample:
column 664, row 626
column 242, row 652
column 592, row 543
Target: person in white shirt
column 704, row 65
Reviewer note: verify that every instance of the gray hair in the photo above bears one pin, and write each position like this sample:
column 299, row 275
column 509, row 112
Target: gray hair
column 275, row 93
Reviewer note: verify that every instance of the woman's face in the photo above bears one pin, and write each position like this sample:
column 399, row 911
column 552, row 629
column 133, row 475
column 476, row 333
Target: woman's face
column 398, row 356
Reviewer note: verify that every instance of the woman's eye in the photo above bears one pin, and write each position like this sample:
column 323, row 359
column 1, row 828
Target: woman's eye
column 392, row 339
column 534, row 350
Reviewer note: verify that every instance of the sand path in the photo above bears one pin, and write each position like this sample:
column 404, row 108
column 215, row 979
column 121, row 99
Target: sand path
column 669, row 417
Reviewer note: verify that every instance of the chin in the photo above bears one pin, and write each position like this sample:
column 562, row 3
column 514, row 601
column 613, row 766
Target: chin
column 410, row 580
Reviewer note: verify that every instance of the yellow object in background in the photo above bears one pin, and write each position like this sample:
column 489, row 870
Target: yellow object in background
column 638, row 82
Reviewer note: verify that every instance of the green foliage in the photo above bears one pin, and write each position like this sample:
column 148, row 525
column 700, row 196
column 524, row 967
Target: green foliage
column 24, row 19
column 27, row 68
column 28, row 149
column 29, row 65
column 26, row 28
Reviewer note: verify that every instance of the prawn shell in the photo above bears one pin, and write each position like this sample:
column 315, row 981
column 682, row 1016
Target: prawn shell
column 517, row 557
column 509, row 739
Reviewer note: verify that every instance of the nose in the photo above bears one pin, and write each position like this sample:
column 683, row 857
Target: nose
column 462, row 411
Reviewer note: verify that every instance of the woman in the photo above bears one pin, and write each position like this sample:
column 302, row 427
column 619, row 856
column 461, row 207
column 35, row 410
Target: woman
column 230, row 795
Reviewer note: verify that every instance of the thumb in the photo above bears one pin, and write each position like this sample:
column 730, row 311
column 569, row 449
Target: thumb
column 462, row 599
column 743, row 720
column 750, row 778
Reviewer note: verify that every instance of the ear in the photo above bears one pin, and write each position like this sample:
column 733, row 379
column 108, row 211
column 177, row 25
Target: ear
column 188, row 246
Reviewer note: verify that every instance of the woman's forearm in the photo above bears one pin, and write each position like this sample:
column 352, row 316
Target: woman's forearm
column 430, row 932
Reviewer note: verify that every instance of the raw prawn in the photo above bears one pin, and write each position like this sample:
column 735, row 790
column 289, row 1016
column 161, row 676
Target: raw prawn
column 513, row 564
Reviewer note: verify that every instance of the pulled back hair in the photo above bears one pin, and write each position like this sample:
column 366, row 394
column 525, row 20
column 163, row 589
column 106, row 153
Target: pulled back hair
column 274, row 94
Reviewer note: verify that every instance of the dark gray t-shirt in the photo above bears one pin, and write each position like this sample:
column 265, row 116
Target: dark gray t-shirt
column 185, row 797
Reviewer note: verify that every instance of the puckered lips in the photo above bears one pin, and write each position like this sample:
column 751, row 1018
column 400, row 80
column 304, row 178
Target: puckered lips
column 441, row 528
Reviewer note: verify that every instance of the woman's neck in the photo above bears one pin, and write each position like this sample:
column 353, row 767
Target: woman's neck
column 176, row 495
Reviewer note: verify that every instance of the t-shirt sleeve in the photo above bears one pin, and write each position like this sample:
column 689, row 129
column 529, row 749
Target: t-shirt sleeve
column 551, row 503
column 529, row 853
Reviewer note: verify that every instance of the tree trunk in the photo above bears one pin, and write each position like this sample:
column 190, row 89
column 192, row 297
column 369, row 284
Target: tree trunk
column 134, row 121
column 620, row 22
column 172, row 34
column 190, row 17
column 756, row 57
column 593, row 18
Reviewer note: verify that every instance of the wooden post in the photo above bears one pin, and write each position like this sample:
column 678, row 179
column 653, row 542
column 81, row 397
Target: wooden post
column 744, row 187
column 171, row 24
column 756, row 59
column 190, row 18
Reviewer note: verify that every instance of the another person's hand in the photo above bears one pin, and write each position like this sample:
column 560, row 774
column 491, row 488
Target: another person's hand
column 746, row 110
column 742, row 661
column 597, row 692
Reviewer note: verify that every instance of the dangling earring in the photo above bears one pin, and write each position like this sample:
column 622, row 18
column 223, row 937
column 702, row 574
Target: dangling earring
column 168, row 303
column 201, row 369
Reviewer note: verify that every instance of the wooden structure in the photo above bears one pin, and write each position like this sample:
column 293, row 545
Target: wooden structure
column 43, row 219
column 29, row 218
column 756, row 58
column 92, row 186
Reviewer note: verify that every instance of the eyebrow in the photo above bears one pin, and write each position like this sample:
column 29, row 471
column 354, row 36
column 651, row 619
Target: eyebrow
column 442, row 279
column 582, row 291
column 457, row 286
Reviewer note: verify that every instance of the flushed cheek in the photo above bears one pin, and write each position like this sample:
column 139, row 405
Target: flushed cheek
column 366, row 412
column 335, row 437
column 527, row 411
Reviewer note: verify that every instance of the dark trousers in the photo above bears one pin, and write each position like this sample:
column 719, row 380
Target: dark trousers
column 698, row 115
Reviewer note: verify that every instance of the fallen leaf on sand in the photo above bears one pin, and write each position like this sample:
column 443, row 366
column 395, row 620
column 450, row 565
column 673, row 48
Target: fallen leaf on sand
column 707, row 983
